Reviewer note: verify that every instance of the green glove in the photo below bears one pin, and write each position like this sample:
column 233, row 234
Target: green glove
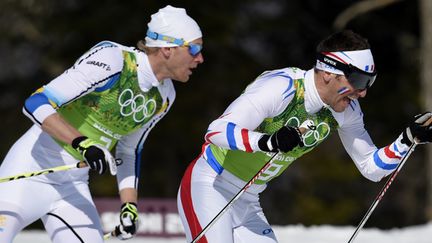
column 128, row 221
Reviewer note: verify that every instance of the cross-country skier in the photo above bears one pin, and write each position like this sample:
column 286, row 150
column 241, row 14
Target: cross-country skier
column 264, row 120
column 112, row 96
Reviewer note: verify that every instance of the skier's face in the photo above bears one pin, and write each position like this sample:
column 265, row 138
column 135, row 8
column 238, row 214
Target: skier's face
column 183, row 62
column 343, row 93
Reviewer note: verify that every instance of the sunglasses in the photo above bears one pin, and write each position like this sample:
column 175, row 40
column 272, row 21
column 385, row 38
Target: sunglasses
column 194, row 49
column 358, row 78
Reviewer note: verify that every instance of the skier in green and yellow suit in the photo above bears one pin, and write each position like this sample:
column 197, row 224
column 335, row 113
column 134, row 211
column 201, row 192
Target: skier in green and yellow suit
column 111, row 97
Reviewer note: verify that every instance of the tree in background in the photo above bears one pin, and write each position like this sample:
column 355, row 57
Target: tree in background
column 426, row 78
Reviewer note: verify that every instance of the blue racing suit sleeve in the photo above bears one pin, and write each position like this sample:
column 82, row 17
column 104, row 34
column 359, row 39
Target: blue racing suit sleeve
column 96, row 70
column 38, row 106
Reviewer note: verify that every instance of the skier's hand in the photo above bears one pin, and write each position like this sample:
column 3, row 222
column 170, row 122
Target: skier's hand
column 95, row 155
column 128, row 221
column 420, row 129
column 284, row 140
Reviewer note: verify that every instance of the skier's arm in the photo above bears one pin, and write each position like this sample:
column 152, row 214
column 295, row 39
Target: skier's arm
column 58, row 128
column 129, row 151
column 264, row 98
column 84, row 77
column 99, row 68
column 128, row 195
column 374, row 163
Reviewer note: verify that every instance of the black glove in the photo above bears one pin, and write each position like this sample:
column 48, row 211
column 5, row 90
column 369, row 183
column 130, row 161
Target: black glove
column 95, row 155
column 419, row 130
column 128, row 221
column 284, row 140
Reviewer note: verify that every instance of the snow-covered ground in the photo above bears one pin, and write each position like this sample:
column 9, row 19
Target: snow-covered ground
column 295, row 233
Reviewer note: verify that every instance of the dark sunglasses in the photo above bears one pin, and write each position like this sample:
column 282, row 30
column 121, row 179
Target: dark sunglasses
column 358, row 78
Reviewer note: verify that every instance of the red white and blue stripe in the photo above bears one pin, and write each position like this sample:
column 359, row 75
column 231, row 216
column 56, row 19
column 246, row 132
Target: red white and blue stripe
column 388, row 158
column 238, row 139
column 362, row 59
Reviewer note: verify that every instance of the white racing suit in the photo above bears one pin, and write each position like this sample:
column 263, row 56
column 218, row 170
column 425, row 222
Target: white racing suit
column 110, row 95
column 231, row 157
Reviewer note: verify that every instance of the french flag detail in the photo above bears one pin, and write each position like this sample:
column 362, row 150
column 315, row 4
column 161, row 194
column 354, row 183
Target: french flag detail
column 369, row 68
column 238, row 139
column 342, row 56
column 245, row 138
column 343, row 90
column 387, row 158
column 209, row 135
column 212, row 161
column 332, row 55
column 390, row 154
column 230, row 132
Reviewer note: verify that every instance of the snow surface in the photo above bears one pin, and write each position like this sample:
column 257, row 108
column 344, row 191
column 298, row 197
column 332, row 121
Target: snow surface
column 294, row 234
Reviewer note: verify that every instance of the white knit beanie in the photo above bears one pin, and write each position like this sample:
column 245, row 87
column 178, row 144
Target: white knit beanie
column 172, row 22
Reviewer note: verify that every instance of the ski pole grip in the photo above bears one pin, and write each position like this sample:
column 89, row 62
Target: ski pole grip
column 427, row 123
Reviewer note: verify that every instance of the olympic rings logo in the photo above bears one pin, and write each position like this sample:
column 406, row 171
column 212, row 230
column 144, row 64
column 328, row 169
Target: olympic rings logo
column 314, row 135
column 136, row 105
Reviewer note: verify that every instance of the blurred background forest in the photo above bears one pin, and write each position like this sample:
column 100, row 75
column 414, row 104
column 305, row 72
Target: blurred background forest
column 41, row 38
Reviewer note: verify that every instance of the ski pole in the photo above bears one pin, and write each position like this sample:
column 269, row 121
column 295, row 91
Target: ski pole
column 237, row 196
column 108, row 235
column 113, row 233
column 80, row 164
column 303, row 128
column 381, row 194
column 386, row 186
